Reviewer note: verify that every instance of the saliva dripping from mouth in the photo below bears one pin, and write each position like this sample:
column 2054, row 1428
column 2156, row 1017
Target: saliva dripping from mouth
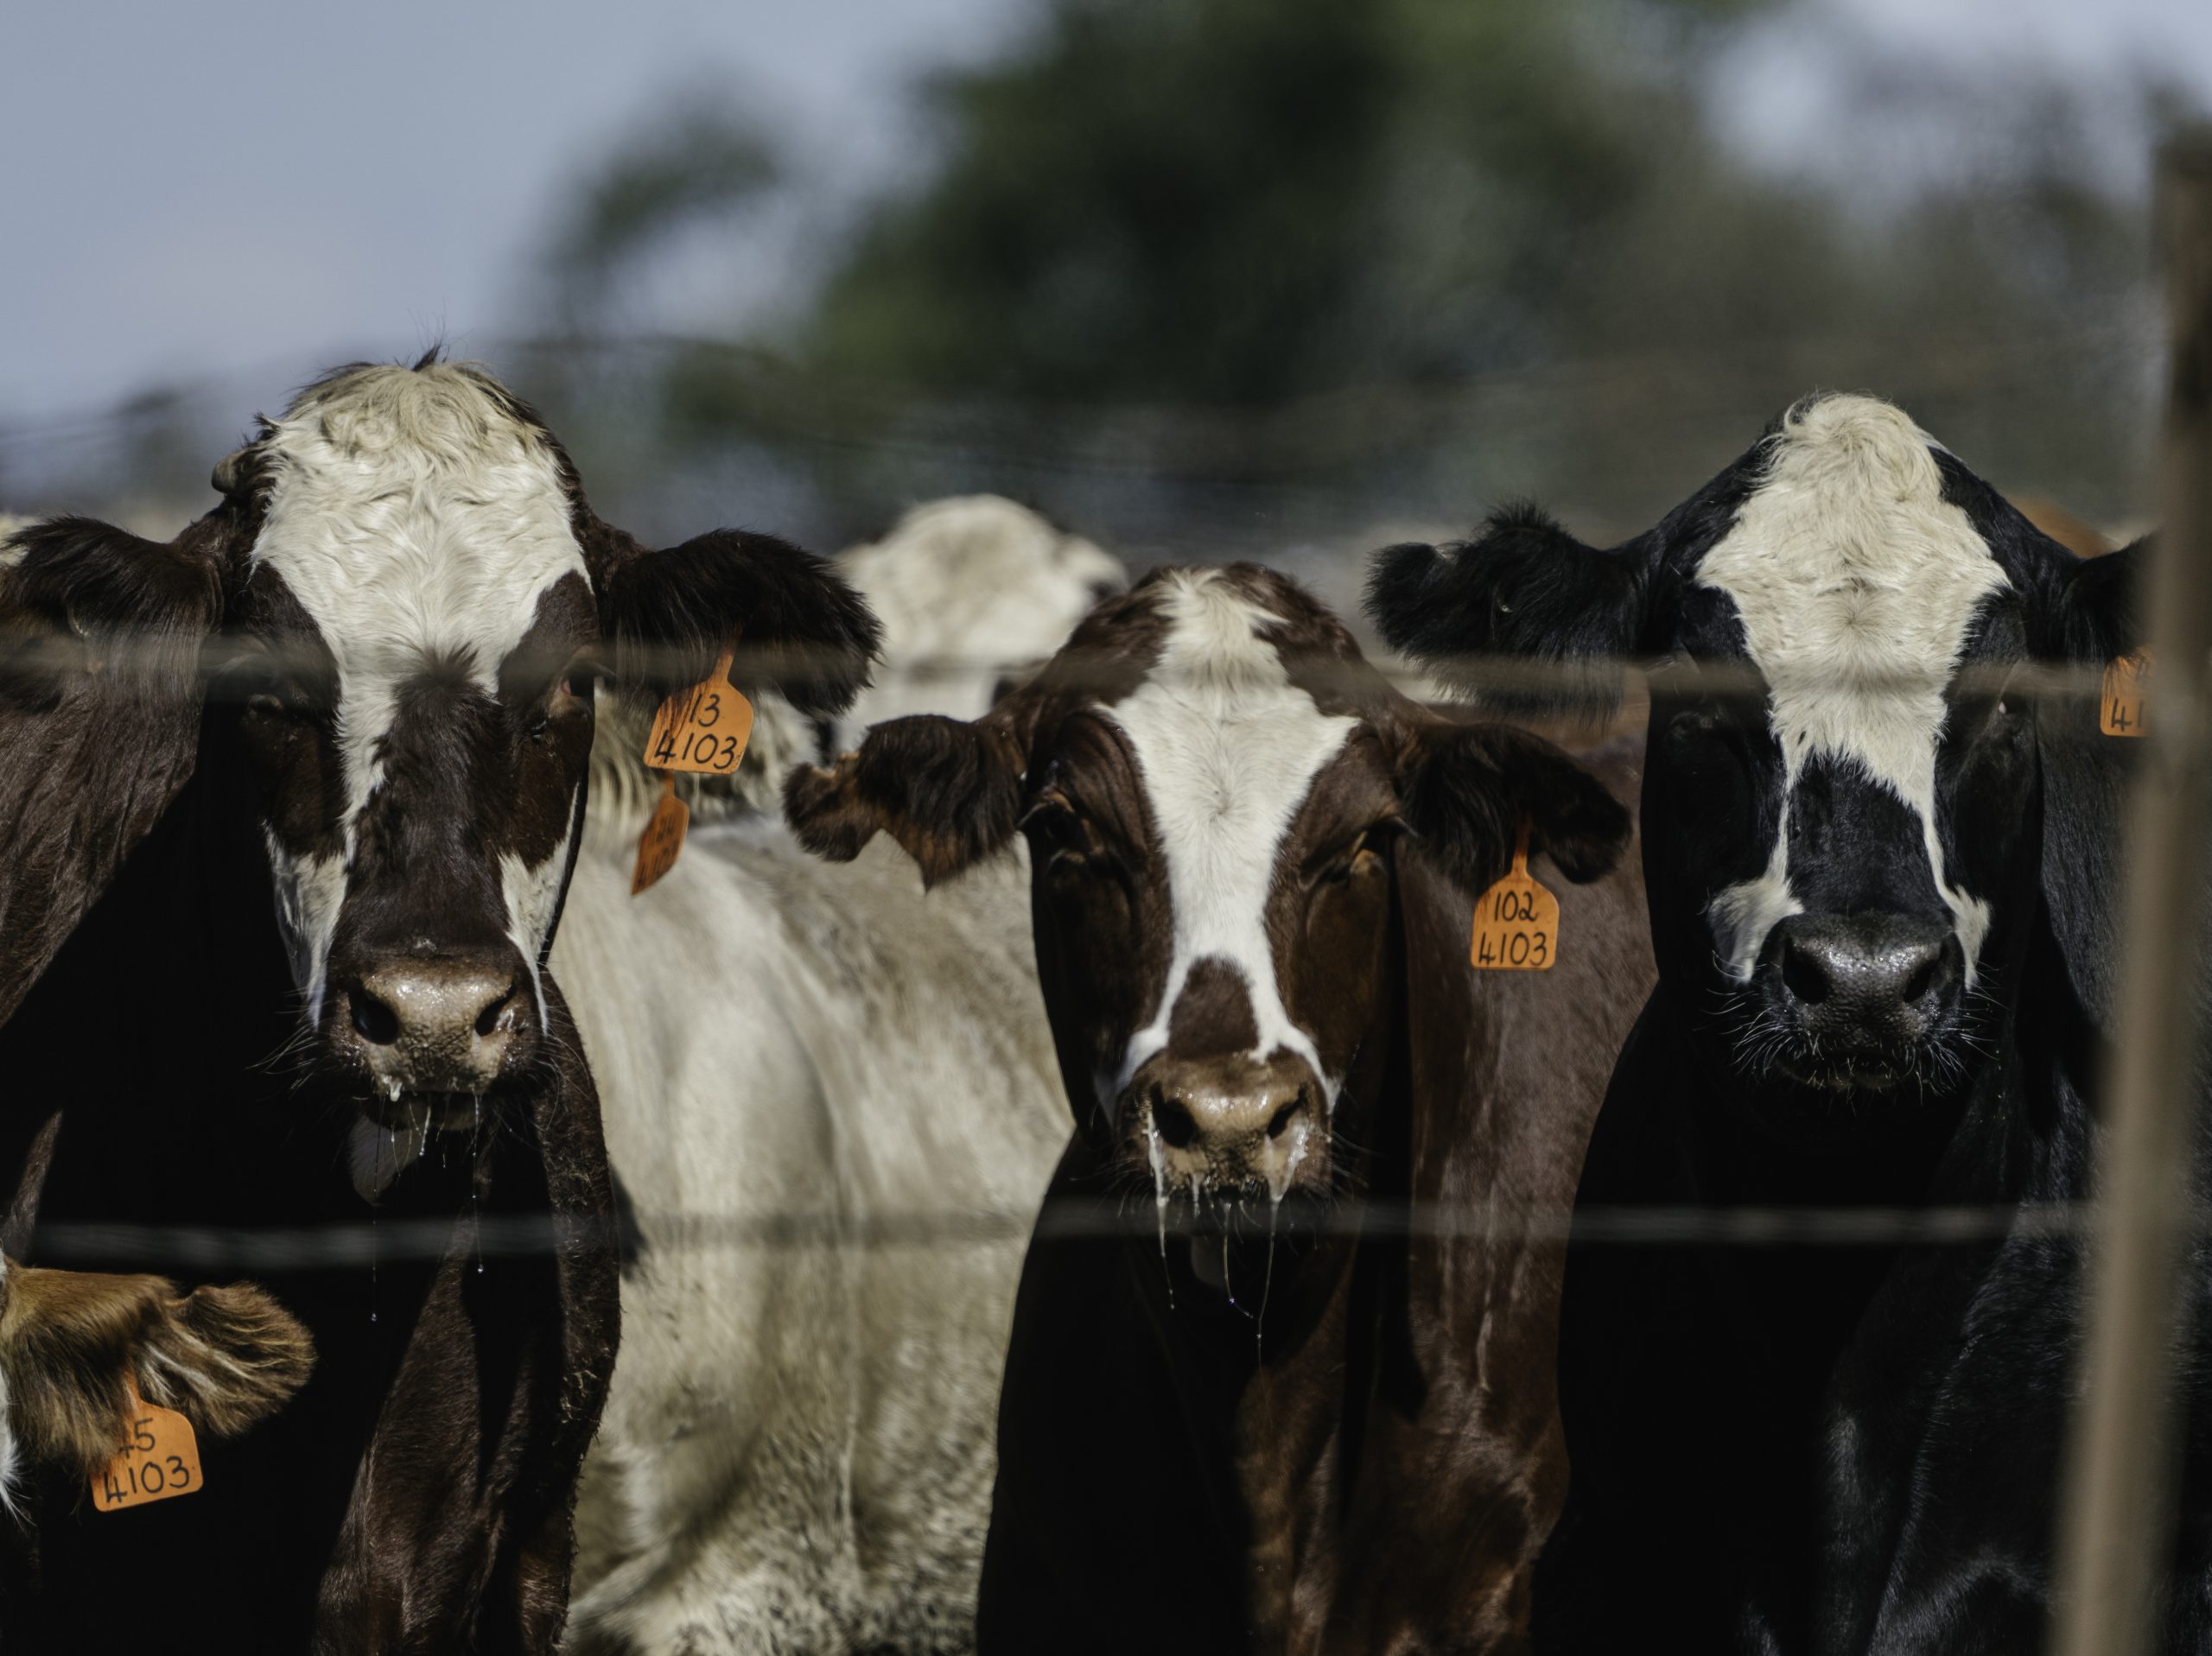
column 1233, row 1208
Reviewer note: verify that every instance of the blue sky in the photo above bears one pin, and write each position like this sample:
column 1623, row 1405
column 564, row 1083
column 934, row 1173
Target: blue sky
column 248, row 188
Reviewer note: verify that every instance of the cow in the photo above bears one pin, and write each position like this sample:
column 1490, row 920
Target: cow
column 1879, row 835
column 291, row 802
column 968, row 589
column 797, row 1451
column 1302, row 1423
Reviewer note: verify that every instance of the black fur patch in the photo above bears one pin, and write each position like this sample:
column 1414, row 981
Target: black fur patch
column 1522, row 588
column 100, row 714
column 1466, row 788
column 806, row 632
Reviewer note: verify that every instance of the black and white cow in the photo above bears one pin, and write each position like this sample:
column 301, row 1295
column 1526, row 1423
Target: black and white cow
column 1879, row 846
column 290, row 803
column 1253, row 870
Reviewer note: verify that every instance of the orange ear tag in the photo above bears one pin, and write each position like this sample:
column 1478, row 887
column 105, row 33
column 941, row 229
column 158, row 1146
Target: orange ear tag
column 2126, row 694
column 705, row 728
column 1516, row 921
column 662, row 838
column 162, row 1460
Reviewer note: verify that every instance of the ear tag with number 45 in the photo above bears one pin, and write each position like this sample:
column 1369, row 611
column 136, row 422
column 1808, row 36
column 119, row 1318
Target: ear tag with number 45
column 704, row 729
column 162, row 1460
column 1516, row 921
column 2126, row 694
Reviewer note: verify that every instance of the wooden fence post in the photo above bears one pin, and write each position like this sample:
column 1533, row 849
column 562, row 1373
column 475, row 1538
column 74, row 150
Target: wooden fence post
column 2116, row 1522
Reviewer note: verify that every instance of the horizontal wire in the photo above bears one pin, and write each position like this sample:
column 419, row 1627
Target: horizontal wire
column 235, row 666
column 361, row 1242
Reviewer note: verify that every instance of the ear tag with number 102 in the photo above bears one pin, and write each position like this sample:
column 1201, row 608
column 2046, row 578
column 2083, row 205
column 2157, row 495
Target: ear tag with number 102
column 1516, row 921
column 2126, row 694
column 161, row 1461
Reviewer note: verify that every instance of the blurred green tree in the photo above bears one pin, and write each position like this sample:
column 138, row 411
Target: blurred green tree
column 1413, row 254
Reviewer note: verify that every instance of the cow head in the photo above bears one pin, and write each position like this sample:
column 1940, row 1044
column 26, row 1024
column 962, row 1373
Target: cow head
column 1844, row 789
column 1220, row 797
column 405, row 605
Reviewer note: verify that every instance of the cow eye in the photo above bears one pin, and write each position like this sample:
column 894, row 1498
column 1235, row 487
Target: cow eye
column 280, row 704
column 1356, row 858
column 1059, row 833
column 570, row 697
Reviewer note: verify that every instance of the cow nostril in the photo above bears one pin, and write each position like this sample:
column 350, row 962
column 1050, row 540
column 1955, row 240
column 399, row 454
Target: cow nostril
column 376, row 1022
column 1919, row 983
column 1279, row 1123
column 1805, row 978
column 488, row 1019
column 1174, row 1122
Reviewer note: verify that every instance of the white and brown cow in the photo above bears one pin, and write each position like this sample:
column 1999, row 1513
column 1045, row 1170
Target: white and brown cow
column 1254, row 869
column 290, row 802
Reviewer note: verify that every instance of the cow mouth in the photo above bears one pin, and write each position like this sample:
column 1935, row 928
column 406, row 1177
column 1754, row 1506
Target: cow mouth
column 1925, row 1067
column 400, row 1110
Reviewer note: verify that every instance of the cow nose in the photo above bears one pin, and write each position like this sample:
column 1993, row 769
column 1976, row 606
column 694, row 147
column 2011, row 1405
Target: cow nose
column 1247, row 1128
column 1887, row 978
column 435, row 1026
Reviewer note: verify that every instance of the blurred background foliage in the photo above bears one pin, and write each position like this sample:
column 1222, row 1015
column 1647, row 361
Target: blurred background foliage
column 1276, row 278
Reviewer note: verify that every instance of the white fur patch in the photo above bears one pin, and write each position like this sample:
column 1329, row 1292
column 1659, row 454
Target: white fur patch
column 414, row 518
column 310, row 892
column 532, row 894
column 1228, row 749
column 8, row 1450
column 967, row 588
column 1857, row 584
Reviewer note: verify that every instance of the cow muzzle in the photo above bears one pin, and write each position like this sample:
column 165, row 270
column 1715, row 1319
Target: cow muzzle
column 1860, row 1000
column 450, row 1025
column 1232, row 1128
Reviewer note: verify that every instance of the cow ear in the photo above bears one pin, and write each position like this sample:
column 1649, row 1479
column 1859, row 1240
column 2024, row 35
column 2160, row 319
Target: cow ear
column 948, row 792
column 2095, row 613
column 223, row 1357
column 101, row 636
column 806, row 633
column 1525, row 589
column 1464, row 789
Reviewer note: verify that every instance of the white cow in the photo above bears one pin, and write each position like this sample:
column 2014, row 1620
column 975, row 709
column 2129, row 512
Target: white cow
column 967, row 589
column 816, row 1080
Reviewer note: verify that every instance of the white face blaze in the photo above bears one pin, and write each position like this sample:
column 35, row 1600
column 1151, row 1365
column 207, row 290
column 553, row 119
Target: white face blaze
column 1857, row 585
column 7, row 1431
column 415, row 519
column 1226, row 748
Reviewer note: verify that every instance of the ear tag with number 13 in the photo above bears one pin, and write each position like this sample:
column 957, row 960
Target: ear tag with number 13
column 704, row 729
column 1516, row 921
column 162, row 1460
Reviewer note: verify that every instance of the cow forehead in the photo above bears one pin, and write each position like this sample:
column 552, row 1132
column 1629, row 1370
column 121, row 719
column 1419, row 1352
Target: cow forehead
column 1226, row 748
column 1857, row 586
column 413, row 518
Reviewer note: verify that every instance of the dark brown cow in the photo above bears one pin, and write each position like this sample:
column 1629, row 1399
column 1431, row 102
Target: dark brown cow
column 289, row 806
column 1300, row 1425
